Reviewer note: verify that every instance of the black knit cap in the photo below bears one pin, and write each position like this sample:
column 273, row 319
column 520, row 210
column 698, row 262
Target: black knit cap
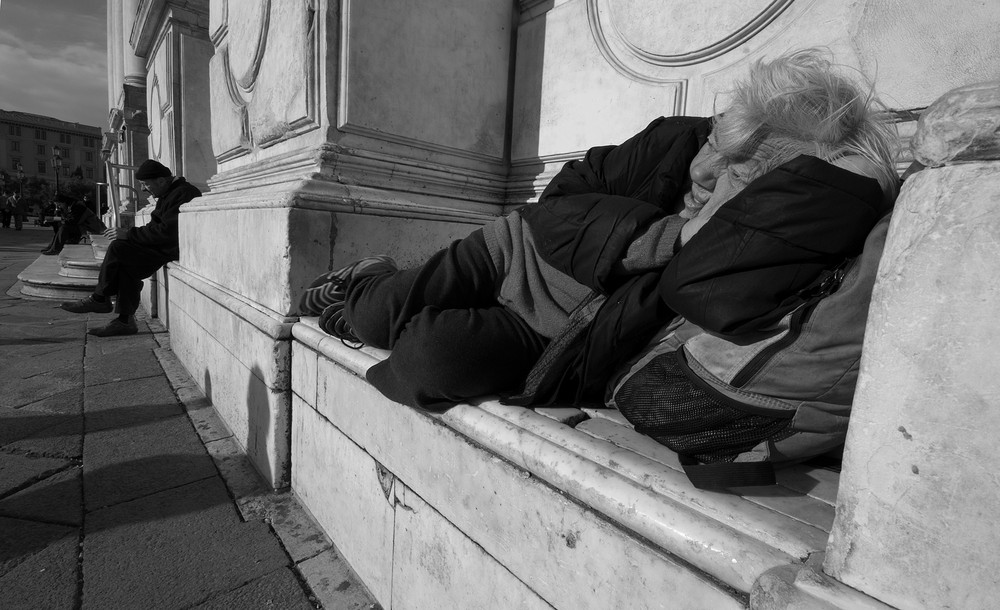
column 152, row 169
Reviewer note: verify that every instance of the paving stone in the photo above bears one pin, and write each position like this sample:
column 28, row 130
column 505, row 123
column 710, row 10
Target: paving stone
column 334, row 584
column 63, row 440
column 16, row 391
column 56, row 499
column 17, row 470
column 279, row 590
column 20, row 539
column 128, row 404
column 47, row 579
column 17, row 424
column 179, row 547
column 130, row 360
column 117, row 348
column 299, row 533
column 69, row 402
column 241, row 477
column 126, row 364
column 121, row 464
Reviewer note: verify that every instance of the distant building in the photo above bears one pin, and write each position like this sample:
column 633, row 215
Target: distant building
column 29, row 139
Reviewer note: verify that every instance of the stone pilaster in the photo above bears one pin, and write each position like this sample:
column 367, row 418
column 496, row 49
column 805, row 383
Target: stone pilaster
column 915, row 522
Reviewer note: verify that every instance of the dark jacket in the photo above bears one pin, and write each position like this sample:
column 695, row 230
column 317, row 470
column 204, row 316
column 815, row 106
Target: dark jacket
column 775, row 238
column 161, row 231
column 79, row 218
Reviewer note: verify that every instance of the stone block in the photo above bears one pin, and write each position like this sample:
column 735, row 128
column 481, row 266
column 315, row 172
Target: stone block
column 334, row 584
column 914, row 525
column 435, row 565
column 564, row 551
column 241, row 366
column 340, row 486
column 962, row 125
column 304, row 372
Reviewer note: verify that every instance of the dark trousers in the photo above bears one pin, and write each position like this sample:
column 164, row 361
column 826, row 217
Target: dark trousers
column 125, row 266
column 64, row 234
column 450, row 339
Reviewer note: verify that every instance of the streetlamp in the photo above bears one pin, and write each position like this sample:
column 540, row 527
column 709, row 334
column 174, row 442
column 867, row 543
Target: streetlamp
column 57, row 164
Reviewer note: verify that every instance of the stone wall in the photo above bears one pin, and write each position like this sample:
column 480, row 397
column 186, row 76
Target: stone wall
column 341, row 129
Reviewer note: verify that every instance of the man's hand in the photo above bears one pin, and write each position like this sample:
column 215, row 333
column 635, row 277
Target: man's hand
column 116, row 233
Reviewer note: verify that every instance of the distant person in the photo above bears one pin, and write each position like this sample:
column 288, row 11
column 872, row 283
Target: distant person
column 76, row 219
column 19, row 210
column 7, row 205
column 136, row 253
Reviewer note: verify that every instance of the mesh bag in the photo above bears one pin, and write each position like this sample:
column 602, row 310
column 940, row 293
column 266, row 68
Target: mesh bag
column 663, row 403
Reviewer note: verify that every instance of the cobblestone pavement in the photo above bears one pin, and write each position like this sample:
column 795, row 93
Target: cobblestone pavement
column 119, row 486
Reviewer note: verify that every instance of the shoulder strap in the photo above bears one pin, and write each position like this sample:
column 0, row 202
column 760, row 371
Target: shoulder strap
column 720, row 476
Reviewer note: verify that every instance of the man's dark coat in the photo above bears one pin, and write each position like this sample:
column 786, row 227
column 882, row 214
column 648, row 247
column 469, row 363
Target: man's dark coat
column 161, row 232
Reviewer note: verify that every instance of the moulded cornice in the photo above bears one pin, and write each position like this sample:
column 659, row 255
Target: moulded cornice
column 152, row 17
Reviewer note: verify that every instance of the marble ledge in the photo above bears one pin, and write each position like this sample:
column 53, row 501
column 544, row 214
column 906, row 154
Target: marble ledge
column 332, row 196
column 632, row 480
column 272, row 324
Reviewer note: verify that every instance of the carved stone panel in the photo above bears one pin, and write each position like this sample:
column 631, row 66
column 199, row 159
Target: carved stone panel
column 263, row 73
column 433, row 76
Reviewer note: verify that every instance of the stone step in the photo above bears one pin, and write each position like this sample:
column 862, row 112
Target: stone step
column 43, row 278
column 79, row 262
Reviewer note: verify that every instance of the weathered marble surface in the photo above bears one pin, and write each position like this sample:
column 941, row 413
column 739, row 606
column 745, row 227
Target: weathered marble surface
column 604, row 466
column 915, row 522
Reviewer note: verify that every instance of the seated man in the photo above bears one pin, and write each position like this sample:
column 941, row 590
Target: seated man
column 545, row 304
column 137, row 253
column 76, row 218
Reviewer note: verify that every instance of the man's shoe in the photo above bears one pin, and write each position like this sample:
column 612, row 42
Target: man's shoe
column 331, row 288
column 50, row 252
column 116, row 328
column 87, row 305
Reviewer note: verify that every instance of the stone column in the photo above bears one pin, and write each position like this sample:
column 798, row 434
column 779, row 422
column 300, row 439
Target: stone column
column 916, row 513
column 339, row 129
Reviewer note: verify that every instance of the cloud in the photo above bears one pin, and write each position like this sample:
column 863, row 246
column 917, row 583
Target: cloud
column 68, row 82
column 53, row 59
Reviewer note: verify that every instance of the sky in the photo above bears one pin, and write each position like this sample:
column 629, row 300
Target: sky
column 53, row 59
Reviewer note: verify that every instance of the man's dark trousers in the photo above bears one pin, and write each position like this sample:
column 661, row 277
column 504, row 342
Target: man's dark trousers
column 125, row 266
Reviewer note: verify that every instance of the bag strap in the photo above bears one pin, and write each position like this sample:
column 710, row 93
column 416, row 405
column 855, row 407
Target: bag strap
column 720, row 476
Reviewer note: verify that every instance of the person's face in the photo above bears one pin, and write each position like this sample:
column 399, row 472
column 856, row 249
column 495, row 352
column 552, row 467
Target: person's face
column 155, row 186
column 704, row 172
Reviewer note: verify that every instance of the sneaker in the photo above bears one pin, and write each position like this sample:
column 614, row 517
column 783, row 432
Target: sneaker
column 332, row 322
column 116, row 328
column 331, row 288
column 87, row 305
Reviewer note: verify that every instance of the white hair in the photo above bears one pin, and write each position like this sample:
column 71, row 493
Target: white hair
column 799, row 104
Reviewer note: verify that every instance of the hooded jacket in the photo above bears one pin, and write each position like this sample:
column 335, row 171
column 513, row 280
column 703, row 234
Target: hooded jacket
column 742, row 271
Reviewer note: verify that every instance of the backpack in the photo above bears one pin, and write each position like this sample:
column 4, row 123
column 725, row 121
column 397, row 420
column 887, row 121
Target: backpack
column 734, row 408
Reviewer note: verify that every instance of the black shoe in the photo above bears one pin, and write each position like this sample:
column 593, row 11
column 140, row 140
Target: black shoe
column 87, row 305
